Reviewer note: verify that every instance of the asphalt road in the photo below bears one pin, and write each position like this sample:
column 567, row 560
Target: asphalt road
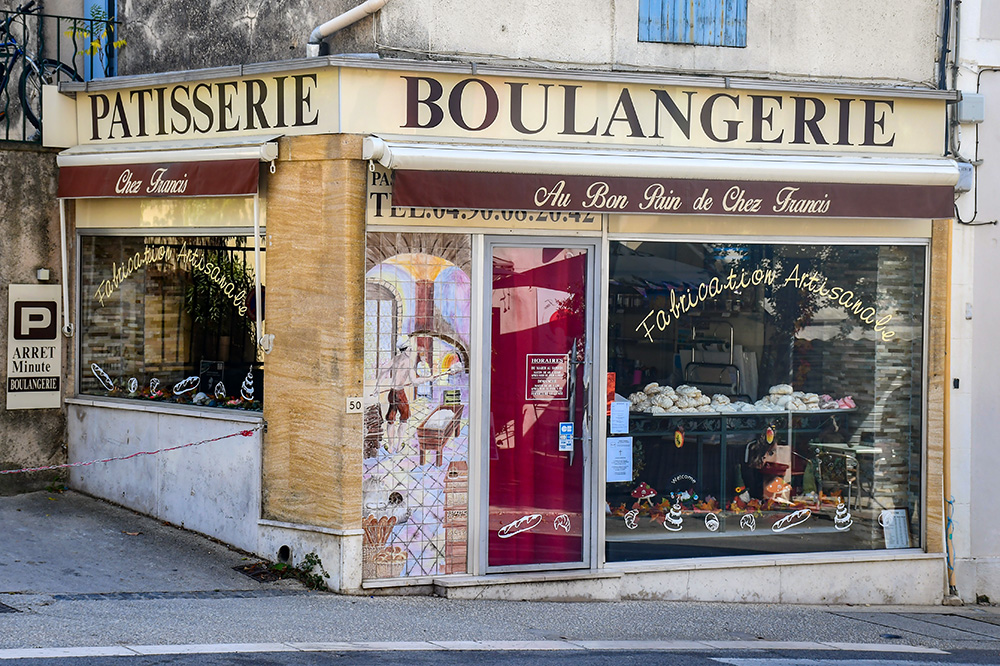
column 557, row 658
column 82, row 581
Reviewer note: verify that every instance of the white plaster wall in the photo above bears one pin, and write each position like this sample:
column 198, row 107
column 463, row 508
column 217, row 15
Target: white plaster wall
column 851, row 40
column 212, row 488
column 974, row 434
column 339, row 554
column 877, row 578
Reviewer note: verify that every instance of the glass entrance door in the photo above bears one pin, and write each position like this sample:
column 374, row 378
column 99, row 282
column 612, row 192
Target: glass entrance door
column 539, row 426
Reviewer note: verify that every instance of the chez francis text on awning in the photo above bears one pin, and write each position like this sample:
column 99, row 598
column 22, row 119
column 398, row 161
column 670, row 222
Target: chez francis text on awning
column 540, row 192
column 178, row 179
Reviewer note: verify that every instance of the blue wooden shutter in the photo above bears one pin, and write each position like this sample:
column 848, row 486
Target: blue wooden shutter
column 106, row 64
column 705, row 22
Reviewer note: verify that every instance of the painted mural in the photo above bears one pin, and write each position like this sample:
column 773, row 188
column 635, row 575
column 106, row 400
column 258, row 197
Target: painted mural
column 415, row 478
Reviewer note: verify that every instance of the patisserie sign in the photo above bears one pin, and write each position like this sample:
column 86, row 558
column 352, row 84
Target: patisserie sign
column 658, row 320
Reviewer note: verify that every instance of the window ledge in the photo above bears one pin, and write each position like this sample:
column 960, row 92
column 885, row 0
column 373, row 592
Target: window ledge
column 792, row 559
column 166, row 408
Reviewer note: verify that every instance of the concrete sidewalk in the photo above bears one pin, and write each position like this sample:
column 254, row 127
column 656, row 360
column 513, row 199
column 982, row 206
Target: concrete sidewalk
column 75, row 571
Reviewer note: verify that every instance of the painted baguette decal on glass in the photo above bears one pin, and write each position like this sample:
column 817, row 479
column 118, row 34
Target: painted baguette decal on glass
column 791, row 520
column 522, row 524
column 246, row 390
column 674, row 521
column 561, row 522
column 748, row 522
column 220, row 391
column 186, row 385
column 712, row 522
column 102, row 377
column 631, row 519
column 154, row 385
column 842, row 519
column 133, row 385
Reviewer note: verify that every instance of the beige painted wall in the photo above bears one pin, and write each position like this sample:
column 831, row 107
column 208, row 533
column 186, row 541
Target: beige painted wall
column 315, row 303
column 894, row 40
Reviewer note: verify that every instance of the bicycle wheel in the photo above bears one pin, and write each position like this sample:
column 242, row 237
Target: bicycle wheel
column 33, row 77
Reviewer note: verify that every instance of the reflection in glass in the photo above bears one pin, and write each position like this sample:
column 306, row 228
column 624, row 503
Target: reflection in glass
column 176, row 310
column 777, row 388
column 536, row 405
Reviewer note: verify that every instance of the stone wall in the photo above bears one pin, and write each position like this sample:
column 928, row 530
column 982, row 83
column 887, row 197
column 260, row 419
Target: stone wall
column 806, row 44
column 29, row 240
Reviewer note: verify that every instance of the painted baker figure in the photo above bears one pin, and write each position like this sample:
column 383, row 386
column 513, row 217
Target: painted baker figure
column 400, row 373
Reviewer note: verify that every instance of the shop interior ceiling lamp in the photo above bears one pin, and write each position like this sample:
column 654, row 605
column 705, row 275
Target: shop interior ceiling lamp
column 339, row 22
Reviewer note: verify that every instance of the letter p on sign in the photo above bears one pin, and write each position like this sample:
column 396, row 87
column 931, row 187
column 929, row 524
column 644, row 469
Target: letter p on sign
column 35, row 320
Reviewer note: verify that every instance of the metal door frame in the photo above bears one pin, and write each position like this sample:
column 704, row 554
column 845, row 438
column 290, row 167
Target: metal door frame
column 588, row 446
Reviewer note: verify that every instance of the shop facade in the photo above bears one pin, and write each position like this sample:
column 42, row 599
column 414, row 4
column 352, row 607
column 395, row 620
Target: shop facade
column 529, row 334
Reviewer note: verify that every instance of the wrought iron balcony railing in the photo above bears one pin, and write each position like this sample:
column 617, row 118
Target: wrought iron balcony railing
column 38, row 49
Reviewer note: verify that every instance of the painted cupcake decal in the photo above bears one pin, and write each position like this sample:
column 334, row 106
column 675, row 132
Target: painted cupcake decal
column 673, row 520
column 246, row 390
column 842, row 519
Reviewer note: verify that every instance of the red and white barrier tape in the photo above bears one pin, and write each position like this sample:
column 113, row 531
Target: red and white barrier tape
column 244, row 433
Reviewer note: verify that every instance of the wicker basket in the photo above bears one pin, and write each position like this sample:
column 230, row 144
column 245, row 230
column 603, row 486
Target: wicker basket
column 368, row 561
column 389, row 562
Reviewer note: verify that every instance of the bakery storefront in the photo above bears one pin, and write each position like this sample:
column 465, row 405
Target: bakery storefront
column 535, row 335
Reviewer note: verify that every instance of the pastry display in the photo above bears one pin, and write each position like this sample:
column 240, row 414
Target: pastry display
column 663, row 400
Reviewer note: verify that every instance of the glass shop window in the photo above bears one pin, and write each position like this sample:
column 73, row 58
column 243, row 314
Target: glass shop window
column 773, row 394
column 170, row 319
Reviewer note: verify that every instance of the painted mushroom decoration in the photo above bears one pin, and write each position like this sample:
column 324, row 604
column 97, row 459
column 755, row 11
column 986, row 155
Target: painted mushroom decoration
column 644, row 492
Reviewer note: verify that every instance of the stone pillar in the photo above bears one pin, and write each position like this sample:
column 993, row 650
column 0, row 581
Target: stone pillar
column 938, row 372
column 315, row 288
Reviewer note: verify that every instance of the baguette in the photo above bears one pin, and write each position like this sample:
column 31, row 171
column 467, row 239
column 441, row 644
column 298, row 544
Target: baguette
column 522, row 524
column 791, row 520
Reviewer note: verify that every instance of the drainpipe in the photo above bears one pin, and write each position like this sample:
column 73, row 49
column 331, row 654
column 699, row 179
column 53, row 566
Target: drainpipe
column 333, row 25
column 955, row 140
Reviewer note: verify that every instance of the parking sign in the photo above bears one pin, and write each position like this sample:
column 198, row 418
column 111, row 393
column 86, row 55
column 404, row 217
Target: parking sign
column 34, row 348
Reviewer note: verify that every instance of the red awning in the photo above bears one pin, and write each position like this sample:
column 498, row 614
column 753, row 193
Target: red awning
column 175, row 179
column 217, row 168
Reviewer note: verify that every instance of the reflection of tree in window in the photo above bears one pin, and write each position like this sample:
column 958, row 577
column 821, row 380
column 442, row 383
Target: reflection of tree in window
column 151, row 313
column 223, row 333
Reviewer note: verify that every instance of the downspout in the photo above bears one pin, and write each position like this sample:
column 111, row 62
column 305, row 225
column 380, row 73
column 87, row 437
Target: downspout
column 954, row 138
column 349, row 17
